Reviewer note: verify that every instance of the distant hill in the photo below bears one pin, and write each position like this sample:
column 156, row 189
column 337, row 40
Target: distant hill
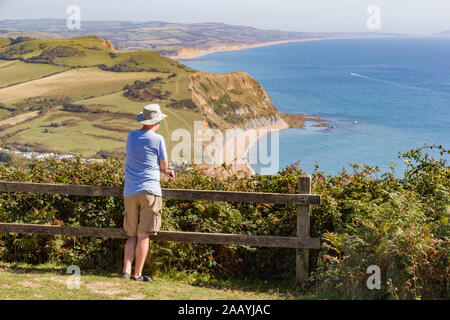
column 443, row 33
column 166, row 38
column 33, row 34
column 79, row 95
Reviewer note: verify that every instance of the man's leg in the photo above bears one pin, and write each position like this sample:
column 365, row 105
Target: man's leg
column 149, row 205
column 128, row 257
column 142, row 246
column 130, row 223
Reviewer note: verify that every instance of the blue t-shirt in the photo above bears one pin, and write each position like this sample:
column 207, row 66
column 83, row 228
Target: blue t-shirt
column 144, row 150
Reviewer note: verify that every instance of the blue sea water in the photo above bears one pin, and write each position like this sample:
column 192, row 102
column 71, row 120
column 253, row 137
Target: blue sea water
column 383, row 95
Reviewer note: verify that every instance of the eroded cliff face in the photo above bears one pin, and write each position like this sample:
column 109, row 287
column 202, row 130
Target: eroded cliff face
column 234, row 99
column 105, row 42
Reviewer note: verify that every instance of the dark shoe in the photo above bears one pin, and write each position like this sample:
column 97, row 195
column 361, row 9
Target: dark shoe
column 125, row 275
column 143, row 278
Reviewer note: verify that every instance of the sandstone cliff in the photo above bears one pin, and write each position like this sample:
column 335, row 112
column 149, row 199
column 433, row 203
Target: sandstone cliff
column 105, row 42
column 233, row 100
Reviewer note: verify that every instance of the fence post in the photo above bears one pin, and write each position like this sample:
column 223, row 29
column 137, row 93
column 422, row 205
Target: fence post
column 303, row 221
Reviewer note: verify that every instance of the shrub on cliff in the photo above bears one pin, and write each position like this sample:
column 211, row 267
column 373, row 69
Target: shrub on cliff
column 183, row 104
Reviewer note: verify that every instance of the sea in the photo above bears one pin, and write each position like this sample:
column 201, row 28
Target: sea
column 378, row 96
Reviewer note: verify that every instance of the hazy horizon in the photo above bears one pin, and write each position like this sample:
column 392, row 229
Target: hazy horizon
column 398, row 16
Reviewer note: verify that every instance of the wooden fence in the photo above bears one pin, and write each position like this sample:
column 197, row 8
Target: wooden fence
column 302, row 242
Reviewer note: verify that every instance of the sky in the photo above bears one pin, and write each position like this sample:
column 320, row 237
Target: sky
column 398, row 16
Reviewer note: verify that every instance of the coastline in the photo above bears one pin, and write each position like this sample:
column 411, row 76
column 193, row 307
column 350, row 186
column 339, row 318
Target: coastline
column 239, row 154
column 240, row 160
column 192, row 52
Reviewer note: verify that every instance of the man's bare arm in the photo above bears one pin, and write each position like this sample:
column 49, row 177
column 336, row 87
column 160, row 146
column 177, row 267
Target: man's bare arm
column 164, row 168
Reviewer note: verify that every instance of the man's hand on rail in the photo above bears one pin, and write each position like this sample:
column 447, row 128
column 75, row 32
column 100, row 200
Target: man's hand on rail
column 164, row 168
column 170, row 174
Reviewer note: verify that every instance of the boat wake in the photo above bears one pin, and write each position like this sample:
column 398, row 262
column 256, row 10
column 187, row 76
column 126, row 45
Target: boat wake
column 353, row 74
column 360, row 76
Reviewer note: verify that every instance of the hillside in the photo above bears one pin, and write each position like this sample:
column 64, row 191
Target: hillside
column 164, row 37
column 84, row 89
column 445, row 33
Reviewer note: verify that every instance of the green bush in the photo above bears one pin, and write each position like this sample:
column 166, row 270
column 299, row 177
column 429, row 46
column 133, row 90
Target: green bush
column 398, row 224
column 145, row 91
column 49, row 55
column 183, row 104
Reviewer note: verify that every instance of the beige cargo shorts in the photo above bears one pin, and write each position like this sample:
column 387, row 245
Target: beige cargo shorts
column 142, row 214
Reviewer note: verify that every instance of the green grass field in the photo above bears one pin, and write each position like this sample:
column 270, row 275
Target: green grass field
column 80, row 129
column 4, row 42
column 90, row 133
column 87, row 71
column 4, row 114
column 89, row 51
column 76, row 84
column 44, row 282
column 15, row 72
column 99, row 89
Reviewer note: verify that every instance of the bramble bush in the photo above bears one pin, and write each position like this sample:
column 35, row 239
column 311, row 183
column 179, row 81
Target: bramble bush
column 398, row 224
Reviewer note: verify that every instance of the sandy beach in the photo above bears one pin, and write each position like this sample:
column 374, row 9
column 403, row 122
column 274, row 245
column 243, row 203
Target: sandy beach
column 235, row 149
column 241, row 161
column 192, row 52
column 238, row 147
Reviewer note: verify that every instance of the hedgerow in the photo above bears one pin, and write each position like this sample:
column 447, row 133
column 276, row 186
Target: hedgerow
column 399, row 224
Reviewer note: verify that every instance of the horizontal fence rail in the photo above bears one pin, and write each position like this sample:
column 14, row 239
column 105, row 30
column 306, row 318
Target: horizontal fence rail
column 200, row 237
column 177, row 194
column 303, row 200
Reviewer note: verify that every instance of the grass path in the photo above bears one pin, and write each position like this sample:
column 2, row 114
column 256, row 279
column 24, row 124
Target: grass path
column 25, row 282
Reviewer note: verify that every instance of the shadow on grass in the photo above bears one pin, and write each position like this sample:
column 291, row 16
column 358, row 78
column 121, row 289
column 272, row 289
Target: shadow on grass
column 13, row 268
column 284, row 292
column 284, row 289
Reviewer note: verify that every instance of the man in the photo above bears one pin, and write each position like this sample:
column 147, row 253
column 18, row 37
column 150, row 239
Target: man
column 146, row 158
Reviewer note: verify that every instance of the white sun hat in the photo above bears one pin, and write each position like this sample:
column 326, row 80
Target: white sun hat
column 151, row 115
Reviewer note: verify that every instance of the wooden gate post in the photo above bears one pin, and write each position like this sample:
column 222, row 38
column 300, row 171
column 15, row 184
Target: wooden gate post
column 303, row 221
